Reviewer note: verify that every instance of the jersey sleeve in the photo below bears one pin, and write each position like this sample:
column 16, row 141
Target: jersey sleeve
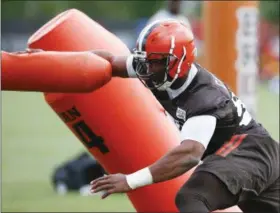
column 208, row 101
column 199, row 128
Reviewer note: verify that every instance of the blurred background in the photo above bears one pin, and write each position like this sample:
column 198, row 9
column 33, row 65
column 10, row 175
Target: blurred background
column 35, row 141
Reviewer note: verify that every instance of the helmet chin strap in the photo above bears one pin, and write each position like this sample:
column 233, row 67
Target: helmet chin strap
column 167, row 84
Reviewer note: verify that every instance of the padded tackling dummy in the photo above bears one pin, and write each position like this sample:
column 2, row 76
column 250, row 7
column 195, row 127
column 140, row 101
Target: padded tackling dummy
column 121, row 124
column 67, row 72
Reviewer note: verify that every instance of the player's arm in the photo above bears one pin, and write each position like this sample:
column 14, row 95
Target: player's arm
column 196, row 134
column 121, row 65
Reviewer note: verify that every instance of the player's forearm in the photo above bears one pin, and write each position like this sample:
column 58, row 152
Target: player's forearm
column 118, row 63
column 173, row 164
column 119, row 66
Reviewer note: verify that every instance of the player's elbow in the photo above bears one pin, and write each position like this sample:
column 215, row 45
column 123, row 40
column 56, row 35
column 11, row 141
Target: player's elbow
column 198, row 150
column 195, row 151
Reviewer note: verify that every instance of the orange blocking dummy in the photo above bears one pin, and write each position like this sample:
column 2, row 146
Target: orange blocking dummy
column 67, row 72
column 121, row 124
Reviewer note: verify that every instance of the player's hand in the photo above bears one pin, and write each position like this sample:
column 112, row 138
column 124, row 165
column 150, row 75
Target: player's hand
column 115, row 183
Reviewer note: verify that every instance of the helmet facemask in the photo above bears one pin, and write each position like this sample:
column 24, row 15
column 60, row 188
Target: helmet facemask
column 153, row 69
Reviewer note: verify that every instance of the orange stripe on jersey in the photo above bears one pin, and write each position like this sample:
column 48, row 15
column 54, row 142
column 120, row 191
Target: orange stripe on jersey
column 231, row 145
column 234, row 146
column 226, row 145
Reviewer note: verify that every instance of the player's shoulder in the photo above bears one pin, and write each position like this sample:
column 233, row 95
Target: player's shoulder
column 205, row 93
column 206, row 84
column 205, row 76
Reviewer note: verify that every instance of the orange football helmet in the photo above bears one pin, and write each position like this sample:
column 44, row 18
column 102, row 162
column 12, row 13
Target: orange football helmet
column 165, row 51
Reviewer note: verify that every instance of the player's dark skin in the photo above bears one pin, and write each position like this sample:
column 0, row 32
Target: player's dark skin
column 173, row 164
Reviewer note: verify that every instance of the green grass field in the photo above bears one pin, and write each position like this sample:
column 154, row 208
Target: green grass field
column 34, row 140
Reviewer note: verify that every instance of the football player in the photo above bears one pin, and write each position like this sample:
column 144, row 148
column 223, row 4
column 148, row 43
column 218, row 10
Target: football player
column 240, row 160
